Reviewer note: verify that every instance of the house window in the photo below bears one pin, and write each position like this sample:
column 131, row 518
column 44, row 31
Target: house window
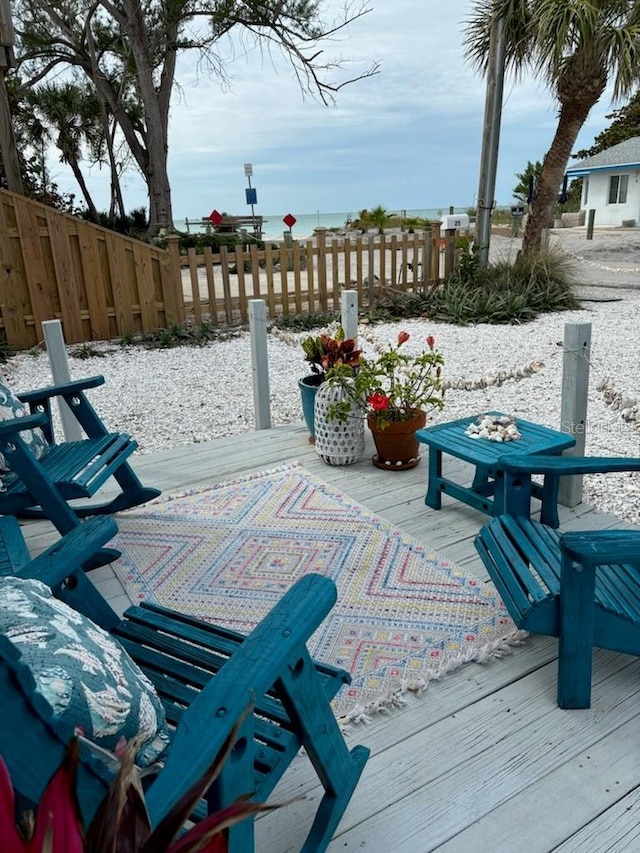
column 618, row 185
column 585, row 190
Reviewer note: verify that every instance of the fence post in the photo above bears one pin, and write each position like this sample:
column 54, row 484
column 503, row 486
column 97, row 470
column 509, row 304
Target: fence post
column 426, row 256
column 320, row 234
column 371, row 276
column 54, row 340
column 349, row 313
column 573, row 412
column 450, row 236
column 172, row 287
column 259, row 363
column 434, row 273
column 590, row 221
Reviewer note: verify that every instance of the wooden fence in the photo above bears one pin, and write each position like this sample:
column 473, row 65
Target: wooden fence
column 308, row 276
column 102, row 285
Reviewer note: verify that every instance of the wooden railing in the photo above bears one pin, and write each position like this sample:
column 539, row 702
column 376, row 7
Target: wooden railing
column 102, row 285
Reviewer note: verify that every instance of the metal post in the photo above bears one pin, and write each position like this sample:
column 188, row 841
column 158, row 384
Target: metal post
column 573, row 412
column 248, row 170
column 259, row 363
column 349, row 313
column 590, row 221
column 54, row 340
column 490, row 140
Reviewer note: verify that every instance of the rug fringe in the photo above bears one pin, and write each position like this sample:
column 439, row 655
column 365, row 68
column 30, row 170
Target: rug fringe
column 394, row 697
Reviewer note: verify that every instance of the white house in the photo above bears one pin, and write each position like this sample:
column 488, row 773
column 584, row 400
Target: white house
column 611, row 183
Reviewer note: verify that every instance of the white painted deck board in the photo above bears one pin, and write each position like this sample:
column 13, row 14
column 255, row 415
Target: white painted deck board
column 484, row 760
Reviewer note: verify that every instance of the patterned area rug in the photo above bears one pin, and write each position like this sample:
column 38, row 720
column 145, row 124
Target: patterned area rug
column 404, row 616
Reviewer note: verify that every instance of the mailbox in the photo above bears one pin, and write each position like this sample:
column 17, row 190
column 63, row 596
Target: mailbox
column 455, row 221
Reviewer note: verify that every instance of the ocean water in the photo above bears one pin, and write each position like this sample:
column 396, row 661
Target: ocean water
column 306, row 222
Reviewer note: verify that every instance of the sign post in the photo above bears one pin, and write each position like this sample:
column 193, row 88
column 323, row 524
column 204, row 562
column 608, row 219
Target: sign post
column 252, row 198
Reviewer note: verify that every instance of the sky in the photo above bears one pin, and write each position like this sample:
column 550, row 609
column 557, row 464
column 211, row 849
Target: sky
column 407, row 138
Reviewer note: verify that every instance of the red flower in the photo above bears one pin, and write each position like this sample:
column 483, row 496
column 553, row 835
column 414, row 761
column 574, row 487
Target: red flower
column 431, row 341
column 379, row 402
column 402, row 337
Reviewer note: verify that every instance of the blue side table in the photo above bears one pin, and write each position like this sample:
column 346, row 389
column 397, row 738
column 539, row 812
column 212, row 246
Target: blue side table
column 487, row 492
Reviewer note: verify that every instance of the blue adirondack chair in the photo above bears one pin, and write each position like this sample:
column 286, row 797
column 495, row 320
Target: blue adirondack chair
column 68, row 471
column 582, row 587
column 205, row 677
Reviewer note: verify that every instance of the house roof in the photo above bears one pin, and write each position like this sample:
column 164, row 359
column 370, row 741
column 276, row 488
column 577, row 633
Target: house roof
column 625, row 153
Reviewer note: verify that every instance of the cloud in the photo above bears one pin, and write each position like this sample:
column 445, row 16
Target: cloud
column 409, row 137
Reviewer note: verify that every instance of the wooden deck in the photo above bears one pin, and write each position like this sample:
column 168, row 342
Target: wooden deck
column 484, row 760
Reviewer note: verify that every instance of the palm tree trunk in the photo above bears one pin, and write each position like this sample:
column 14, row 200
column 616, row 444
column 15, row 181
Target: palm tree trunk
column 75, row 168
column 545, row 195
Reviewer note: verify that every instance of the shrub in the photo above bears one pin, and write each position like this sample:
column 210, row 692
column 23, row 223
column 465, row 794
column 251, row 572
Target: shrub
column 184, row 334
column 503, row 292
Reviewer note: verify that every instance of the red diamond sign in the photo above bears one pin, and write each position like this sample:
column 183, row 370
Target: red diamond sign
column 216, row 217
column 289, row 220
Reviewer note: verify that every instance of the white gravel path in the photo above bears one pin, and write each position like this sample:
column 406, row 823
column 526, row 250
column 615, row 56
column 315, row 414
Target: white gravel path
column 186, row 395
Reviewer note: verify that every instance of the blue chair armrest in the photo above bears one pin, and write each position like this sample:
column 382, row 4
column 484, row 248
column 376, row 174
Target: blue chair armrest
column 518, row 469
column 77, row 401
column 17, row 425
column 40, row 394
column 561, row 466
column 68, row 554
column 602, row 547
column 280, row 639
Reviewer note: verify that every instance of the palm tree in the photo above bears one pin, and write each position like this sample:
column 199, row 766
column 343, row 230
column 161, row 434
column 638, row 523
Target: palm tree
column 71, row 115
column 379, row 216
column 578, row 47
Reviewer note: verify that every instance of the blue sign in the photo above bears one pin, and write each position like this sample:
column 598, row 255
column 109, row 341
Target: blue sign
column 252, row 195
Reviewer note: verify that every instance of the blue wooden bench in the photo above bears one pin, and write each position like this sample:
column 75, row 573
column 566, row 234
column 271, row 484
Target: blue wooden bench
column 583, row 587
column 205, row 676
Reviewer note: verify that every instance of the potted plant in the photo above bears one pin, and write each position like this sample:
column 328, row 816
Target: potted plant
column 395, row 391
column 323, row 352
column 122, row 821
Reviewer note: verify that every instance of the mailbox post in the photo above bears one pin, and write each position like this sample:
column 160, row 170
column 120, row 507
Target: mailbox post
column 517, row 213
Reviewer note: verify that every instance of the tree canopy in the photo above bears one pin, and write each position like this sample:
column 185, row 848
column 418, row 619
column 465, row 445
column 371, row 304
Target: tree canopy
column 577, row 47
column 625, row 125
column 128, row 51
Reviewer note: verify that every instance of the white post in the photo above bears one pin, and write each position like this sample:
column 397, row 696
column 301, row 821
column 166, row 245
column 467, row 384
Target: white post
column 57, row 353
column 349, row 313
column 573, row 413
column 259, row 363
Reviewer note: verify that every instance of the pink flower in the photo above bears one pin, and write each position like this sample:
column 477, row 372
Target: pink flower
column 431, row 341
column 402, row 337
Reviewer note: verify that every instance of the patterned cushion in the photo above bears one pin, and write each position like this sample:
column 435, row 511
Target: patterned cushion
column 83, row 673
column 10, row 408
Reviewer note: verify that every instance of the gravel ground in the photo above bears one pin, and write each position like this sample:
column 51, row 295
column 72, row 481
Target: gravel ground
column 166, row 398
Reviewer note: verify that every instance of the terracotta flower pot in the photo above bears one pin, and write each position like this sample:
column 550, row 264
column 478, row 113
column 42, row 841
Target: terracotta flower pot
column 397, row 445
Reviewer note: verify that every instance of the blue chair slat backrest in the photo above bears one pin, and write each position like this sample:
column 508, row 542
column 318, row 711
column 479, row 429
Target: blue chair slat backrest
column 42, row 484
column 583, row 588
column 206, row 676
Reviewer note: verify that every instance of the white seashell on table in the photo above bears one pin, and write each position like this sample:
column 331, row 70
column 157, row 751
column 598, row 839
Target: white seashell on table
column 494, row 428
